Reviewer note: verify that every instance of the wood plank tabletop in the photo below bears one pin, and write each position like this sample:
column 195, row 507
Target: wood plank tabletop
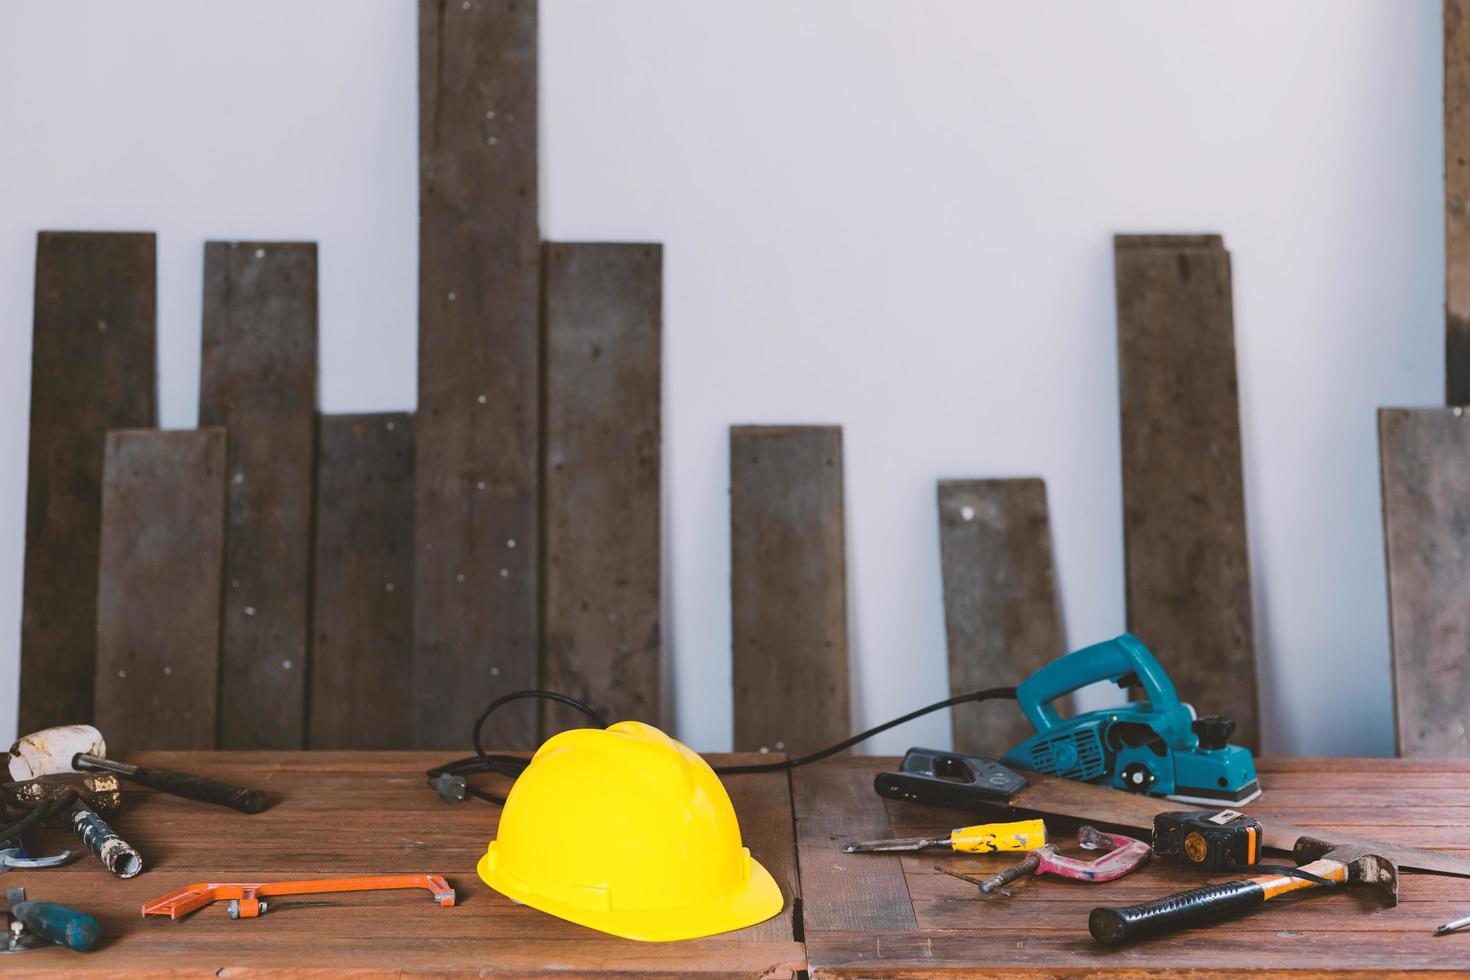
column 342, row 814
column 887, row 915
column 362, row 813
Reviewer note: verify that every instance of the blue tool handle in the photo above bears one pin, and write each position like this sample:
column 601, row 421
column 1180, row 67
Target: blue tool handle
column 1110, row 660
column 58, row 924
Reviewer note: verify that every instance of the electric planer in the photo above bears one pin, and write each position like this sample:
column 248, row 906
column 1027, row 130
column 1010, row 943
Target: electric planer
column 1154, row 746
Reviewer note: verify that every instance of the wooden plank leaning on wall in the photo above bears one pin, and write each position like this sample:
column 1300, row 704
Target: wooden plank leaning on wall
column 1425, row 465
column 1002, row 618
column 1457, row 201
column 162, row 557
column 362, row 612
column 602, row 389
column 788, row 588
column 1184, row 530
column 258, row 380
column 476, row 511
column 92, row 369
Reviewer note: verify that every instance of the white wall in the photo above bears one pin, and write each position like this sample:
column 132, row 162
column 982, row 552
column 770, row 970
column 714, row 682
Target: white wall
column 890, row 215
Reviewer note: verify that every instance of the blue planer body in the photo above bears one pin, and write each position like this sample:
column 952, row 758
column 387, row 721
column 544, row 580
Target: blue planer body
column 1154, row 746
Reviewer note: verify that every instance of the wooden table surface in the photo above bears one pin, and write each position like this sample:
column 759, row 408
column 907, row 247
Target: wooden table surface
column 345, row 813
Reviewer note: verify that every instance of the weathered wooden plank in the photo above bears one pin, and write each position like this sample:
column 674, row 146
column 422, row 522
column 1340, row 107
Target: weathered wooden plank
column 1425, row 464
column 258, row 380
column 1001, row 614
column 159, row 589
column 362, row 612
column 834, row 804
column 788, row 581
column 603, row 384
column 476, row 512
column 1457, row 201
column 92, row 369
column 1184, row 531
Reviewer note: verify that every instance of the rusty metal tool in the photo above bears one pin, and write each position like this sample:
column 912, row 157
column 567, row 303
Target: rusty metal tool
column 81, row 748
column 1123, row 855
column 981, row 838
column 116, row 854
column 1328, row 865
column 75, row 800
column 246, row 898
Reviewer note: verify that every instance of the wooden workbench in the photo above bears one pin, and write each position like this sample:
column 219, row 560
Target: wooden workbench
column 345, row 813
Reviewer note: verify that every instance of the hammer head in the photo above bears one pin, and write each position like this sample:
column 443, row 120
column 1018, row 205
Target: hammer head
column 1363, row 866
column 52, row 750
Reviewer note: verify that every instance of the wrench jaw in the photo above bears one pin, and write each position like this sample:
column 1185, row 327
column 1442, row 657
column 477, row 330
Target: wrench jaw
column 13, row 856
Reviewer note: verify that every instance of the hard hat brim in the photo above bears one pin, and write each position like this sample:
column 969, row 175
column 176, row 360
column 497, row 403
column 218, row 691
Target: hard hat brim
column 758, row 899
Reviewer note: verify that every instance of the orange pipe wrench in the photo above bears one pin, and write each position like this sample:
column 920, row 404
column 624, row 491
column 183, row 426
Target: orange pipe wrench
column 245, row 898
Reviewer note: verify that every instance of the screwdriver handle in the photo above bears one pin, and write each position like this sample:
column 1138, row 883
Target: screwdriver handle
column 116, row 854
column 58, row 924
column 183, row 784
column 1020, row 835
column 204, row 790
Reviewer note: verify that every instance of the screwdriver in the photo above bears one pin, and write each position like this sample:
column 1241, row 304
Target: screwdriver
column 1022, row 835
column 1453, row 926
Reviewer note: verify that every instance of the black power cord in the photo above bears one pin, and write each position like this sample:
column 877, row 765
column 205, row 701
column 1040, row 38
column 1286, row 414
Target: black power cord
column 450, row 780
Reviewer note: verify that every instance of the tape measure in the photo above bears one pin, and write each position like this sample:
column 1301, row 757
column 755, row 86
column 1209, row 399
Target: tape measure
column 1202, row 839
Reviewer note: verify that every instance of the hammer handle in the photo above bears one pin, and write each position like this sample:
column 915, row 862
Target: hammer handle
column 198, row 788
column 1198, row 906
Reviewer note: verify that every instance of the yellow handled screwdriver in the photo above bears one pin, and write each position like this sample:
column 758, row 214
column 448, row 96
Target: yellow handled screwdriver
column 982, row 838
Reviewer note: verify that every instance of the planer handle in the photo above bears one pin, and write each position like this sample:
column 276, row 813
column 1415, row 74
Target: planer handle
column 1111, row 660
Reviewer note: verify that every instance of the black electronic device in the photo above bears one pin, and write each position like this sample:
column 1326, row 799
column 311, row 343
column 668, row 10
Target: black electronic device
column 1214, row 840
column 949, row 779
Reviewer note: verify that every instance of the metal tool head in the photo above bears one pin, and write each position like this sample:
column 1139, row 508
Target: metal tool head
column 1364, row 867
column 17, row 858
column 893, row 845
column 99, row 790
column 53, row 749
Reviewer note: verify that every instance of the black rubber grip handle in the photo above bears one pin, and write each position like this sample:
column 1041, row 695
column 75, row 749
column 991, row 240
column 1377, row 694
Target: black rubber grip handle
column 1115, row 926
column 201, row 789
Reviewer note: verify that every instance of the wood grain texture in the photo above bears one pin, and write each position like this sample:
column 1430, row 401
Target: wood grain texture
column 1457, row 201
column 362, row 614
column 476, row 512
column 1425, row 466
column 603, row 387
column 834, row 805
column 1042, row 929
column 788, row 582
column 159, row 589
column 1002, row 617
column 355, row 813
column 1184, row 530
column 258, row 379
column 92, row 369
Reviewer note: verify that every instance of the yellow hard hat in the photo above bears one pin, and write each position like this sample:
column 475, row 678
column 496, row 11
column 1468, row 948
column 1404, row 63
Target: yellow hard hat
column 627, row 831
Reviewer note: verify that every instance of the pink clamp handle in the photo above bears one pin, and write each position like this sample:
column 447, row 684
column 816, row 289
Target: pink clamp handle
column 1125, row 855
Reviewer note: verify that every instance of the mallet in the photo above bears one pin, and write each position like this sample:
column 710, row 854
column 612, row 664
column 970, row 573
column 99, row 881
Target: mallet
column 80, row 748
